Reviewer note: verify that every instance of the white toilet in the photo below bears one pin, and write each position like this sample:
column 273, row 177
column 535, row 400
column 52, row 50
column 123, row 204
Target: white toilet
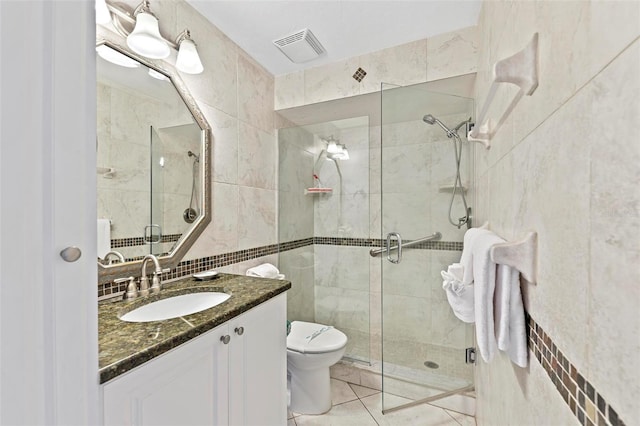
column 311, row 350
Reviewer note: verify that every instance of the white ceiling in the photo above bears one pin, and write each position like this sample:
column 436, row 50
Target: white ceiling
column 346, row 28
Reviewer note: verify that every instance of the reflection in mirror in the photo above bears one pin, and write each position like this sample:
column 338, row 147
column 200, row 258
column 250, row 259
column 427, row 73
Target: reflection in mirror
column 151, row 180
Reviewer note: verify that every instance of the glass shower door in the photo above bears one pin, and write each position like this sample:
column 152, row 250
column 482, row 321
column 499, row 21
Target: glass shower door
column 423, row 343
column 153, row 231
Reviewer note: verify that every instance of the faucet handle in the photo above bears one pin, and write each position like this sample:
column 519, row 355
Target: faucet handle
column 132, row 289
column 155, row 284
column 144, row 286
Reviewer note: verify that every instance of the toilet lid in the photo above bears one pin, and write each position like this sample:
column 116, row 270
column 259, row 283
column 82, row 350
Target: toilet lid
column 309, row 337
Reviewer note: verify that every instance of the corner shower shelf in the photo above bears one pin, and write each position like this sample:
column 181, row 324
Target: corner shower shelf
column 314, row 191
column 106, row 172
column 448, row 189
column 520, row 69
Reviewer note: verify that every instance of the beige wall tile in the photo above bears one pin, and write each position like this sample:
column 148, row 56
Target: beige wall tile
column 450, row 54
column 256, row 217
column 255, row 94
column 614, row 296
column 289, row 90
column 257, row 157
column 402, row 65
column 332, row 81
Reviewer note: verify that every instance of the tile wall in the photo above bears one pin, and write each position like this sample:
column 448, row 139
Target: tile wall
column 565, row 164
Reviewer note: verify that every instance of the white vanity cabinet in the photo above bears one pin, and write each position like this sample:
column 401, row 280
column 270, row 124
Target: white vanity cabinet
column 208, row 382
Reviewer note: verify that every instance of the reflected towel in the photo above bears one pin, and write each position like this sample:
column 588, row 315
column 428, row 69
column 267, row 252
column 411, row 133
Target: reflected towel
column 266, row 270
column 104, row 237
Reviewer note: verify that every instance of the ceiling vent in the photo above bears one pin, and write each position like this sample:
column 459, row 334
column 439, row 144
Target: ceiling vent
column 301, row 46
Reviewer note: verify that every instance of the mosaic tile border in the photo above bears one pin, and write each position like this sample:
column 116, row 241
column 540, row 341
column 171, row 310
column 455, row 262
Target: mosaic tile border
column 583, row 400
column 376, row 242
column 140, row 241
column 190, row 267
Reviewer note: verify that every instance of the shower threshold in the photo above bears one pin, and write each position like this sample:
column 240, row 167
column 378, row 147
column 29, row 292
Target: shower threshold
column 433, row 398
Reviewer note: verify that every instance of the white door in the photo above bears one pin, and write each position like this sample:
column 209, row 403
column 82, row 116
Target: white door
column 48, row 312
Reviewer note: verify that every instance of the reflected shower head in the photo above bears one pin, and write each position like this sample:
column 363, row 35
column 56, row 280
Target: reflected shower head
column 191, row 154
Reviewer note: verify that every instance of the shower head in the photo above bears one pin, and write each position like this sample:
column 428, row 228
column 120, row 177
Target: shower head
column 191, row 154
column 430, row 119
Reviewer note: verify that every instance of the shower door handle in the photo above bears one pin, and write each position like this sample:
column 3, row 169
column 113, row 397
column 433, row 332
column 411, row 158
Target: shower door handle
column 399, row 247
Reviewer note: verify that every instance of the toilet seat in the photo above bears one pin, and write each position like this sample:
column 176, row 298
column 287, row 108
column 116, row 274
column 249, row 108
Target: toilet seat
column 309, row 337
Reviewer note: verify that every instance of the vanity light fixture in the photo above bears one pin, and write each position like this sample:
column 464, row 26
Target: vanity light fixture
column 146, row 40
column 335, row 150
column 188, row 60
column 103, row 16
column 115, row 57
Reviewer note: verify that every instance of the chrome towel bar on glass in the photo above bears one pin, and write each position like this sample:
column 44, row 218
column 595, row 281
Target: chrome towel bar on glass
column 434, row 236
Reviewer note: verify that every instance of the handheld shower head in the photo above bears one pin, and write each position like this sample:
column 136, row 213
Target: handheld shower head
column 430, row 119
column 191, row 154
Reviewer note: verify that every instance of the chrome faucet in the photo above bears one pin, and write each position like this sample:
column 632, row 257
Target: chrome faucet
column 144, row 280
column 113, row 253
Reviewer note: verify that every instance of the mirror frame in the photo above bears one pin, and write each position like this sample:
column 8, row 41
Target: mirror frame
column 107, row 273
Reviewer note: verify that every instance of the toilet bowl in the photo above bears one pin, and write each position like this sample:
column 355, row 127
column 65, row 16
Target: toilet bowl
column 311, row 350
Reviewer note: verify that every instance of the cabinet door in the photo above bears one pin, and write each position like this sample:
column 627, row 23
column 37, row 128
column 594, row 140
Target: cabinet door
column 258, row 369
column 186, row 386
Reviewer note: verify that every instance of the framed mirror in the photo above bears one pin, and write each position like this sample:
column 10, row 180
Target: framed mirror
column 153, row 151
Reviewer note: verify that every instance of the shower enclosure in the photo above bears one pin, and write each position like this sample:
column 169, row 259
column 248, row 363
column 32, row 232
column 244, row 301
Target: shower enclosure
column 398, row 181
column 423, row 343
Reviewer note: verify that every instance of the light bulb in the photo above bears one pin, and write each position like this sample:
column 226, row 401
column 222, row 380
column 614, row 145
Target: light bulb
column 188, row 60
column 115, row 57
column 103, row 16
column 145, row 39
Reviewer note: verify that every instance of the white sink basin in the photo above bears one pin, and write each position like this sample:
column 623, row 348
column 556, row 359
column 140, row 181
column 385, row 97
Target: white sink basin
column 176, row 306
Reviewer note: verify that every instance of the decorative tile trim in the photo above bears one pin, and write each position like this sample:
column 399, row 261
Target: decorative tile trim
column 376, row 242
column 190, row 267
column 588, row 405
column 140, row 241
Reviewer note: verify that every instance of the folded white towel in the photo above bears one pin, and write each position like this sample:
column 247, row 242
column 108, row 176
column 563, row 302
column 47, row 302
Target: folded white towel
column 459, row 295
column 266, row 270
column 484, row 278
column 104, row 237
column 509, row 316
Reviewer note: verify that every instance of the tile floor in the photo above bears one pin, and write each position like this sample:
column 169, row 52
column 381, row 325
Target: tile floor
column 355, row 405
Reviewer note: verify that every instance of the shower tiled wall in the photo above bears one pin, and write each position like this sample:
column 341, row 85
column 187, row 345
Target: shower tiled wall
column 565, row 164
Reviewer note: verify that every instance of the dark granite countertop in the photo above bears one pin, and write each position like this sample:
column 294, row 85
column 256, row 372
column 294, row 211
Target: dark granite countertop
column 124, row 345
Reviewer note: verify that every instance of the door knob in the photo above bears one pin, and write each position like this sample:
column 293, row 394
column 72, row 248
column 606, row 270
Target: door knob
column 239, row 330
column 225, row 339
column 71, row 254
